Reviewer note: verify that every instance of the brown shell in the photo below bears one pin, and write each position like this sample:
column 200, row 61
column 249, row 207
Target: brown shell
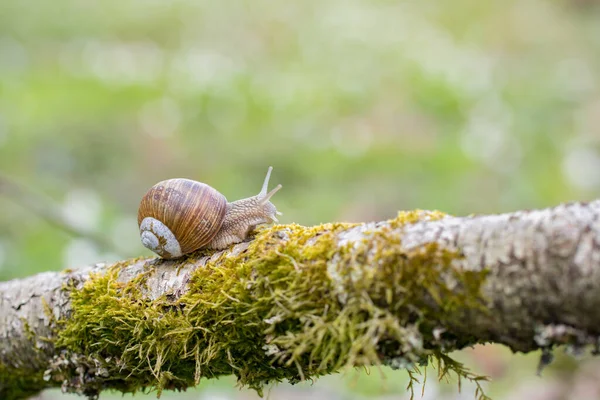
column 192, row 210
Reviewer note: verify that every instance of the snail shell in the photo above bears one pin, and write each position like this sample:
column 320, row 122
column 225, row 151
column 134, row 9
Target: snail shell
column 178, row 216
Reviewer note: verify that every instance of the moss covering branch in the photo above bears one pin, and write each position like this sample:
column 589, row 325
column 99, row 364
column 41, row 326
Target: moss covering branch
column 295, row 303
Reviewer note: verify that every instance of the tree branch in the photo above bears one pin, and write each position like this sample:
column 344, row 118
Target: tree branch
column 47, row 210
column 299, row 302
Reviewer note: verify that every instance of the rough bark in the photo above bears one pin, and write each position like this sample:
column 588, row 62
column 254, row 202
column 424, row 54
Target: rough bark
column 541, row 287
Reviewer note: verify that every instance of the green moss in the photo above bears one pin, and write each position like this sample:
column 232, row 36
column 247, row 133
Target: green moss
column 292, row 307
column 20, row 383
column 413, row 216
column 26, row 380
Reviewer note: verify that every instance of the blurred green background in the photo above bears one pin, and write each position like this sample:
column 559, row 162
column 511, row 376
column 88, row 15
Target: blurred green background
column 363, row 108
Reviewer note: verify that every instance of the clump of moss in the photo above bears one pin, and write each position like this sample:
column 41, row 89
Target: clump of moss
column 21, row 379
column 271, row 313
column 20, row 383
column 414, row 216
column 409, row 299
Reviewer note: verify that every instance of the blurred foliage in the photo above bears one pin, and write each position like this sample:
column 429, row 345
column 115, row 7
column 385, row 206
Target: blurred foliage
column 362, row 107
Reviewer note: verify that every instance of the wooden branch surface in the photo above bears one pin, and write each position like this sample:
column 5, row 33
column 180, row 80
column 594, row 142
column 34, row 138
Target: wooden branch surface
column 541, row 288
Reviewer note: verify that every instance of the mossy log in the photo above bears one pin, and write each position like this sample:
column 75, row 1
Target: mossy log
column 295, row 303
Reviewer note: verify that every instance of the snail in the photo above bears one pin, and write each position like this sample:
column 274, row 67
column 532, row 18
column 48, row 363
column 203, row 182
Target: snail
column 178, row 216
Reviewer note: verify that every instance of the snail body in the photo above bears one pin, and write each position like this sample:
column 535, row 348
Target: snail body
column 178, row 216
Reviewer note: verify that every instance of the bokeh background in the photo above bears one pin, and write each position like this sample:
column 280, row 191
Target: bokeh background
column 363, row 108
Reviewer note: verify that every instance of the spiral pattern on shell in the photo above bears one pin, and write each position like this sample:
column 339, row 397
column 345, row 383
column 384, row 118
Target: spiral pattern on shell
column 191, row 212
column 158, row 238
